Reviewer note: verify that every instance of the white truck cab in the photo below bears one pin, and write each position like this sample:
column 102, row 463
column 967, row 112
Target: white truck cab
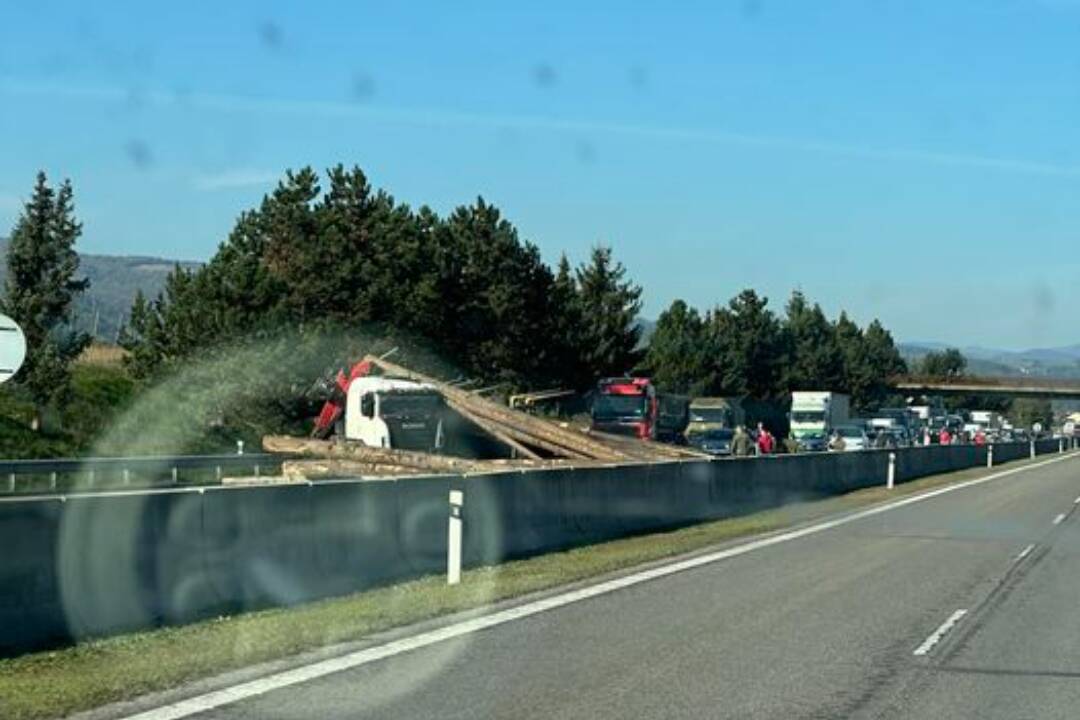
column 817, row 412
column 394, row 413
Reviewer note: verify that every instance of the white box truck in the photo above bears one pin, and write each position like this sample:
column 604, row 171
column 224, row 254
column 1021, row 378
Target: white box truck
column 988, row 419
column 815, row 412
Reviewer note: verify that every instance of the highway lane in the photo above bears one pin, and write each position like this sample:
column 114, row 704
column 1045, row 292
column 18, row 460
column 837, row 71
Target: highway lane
column 823, row 626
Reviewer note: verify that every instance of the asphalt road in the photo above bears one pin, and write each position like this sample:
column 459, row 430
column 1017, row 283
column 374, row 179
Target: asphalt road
column 825, row 626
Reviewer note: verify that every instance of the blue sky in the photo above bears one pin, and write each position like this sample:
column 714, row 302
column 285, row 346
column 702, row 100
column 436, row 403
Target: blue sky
column 913, row 161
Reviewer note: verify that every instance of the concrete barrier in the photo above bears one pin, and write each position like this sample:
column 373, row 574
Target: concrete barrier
column 91, row 565
column 31, row 611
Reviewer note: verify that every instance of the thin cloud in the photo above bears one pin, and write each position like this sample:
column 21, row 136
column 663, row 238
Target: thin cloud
column 438, row 117
column 235, row 179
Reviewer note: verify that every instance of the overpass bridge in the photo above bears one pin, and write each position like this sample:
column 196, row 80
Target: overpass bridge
column 970, row 385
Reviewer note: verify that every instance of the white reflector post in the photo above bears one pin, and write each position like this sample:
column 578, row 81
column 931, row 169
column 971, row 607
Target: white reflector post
column 12, row 348
column 453, row 546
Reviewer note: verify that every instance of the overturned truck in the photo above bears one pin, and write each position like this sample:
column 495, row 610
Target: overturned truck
column 384, row 419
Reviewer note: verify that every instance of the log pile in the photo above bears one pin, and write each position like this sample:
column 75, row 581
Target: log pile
column 328, row 458
column 535, row 442
column 530, row 436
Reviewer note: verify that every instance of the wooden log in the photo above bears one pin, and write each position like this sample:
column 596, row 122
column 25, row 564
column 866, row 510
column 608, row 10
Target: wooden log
column 340, row 468
column 307, row 447
column 497, row 413
column 495, row 431
column 516, row 435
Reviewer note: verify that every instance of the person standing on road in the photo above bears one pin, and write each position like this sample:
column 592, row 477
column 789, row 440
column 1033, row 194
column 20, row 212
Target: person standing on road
column 740, row 443
column 765, row 440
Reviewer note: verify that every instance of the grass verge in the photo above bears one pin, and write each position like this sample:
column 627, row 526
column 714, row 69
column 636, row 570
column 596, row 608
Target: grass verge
column 57, row 683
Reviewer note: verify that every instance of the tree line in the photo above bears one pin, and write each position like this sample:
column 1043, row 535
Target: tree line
column 335, row 255
column 744, row 348
column 350, row 256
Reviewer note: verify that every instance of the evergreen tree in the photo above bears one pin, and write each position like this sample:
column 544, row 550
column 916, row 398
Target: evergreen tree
column 949, row 363
column 881, row 363
column 566, row 330
column 749, row 346
column 870, row 360
column 814, row 360
column 678, row 357
column 609, row 304
column 499, row 292
column 40, row 289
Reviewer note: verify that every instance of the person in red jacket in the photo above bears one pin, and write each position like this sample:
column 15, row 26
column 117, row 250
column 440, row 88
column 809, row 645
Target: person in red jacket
column 980, row 438
column 945, row 437
column 765, row 440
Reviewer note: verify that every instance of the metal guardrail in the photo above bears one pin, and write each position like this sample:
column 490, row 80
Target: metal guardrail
column 113, row 471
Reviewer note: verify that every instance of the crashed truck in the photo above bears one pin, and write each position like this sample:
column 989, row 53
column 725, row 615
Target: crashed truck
column 382, row 412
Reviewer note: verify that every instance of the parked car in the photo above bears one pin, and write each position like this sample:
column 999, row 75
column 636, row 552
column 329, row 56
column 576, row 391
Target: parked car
column 813, row 442
column 715, row 441
column 855, row 437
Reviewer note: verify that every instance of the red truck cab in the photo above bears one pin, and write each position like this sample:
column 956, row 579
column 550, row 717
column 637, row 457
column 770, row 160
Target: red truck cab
column 632, row 406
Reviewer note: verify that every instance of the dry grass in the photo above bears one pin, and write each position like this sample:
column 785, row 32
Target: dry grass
column 102, row 355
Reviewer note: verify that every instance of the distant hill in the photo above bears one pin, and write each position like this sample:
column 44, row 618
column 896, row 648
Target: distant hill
column 1062, row 362
column 114, row 279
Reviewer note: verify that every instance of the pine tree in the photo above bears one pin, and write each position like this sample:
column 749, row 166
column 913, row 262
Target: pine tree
column 948, row 363
column 749, row 347
column 566, row 330
column 609, row 308
column 498, row 290
column 813, row 360
column 870, row 360
column 678, row 358
column 41, row 287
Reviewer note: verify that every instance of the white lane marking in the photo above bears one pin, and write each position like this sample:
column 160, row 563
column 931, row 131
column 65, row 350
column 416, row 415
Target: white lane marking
column 1059, row 518
column 243, row 691
column 1025, row 552
column 936, row 636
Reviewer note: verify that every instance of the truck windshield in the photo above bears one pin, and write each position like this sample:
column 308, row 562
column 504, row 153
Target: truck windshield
column 710, row 415
column 403, row 404
column 619, row 406
column 807, row 416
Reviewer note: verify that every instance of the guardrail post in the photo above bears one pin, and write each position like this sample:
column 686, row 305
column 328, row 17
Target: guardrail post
column 1033, row 448
column 1061, row 445
column 175, row 475
column 11, row 482
column 256, row 472
column 217, row 472
column 891, row 479
column 127, row 476
column 239, row 447
column 52, row 481
column 90, row 478
column 453, row 546
column 990, row 455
